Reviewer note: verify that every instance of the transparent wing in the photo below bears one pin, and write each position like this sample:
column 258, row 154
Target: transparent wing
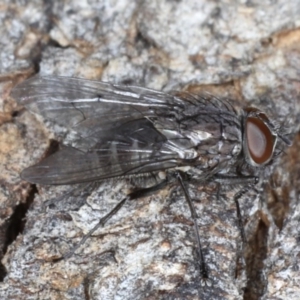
column 132, row 149
column 89, row 107
column 115, row 117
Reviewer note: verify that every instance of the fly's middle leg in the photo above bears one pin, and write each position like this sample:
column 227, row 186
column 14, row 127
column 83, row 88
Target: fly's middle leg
column 201, row 261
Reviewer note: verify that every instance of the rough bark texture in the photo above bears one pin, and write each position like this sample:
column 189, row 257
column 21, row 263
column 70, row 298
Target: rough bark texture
column 246, row 50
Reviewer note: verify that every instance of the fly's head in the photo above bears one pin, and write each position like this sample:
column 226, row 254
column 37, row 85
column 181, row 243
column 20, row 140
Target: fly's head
column 260, row 138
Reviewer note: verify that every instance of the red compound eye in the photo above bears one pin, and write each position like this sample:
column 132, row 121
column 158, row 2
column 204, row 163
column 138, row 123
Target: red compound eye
column 260, row 140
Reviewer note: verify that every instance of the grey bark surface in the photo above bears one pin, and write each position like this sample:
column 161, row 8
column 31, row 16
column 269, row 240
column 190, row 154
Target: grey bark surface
column 246, row 51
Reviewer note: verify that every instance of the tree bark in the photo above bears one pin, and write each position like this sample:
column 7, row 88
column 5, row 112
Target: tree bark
column 246, row 51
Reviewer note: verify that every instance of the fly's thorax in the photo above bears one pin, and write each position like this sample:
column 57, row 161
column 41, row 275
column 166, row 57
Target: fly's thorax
column 259, row 138
column 214, row 139
column 224, row 144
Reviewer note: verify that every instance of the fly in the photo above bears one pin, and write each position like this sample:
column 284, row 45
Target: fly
column 127, row 131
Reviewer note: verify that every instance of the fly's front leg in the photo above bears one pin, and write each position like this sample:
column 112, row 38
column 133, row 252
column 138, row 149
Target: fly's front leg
column 132, row 196
column 234, row 180
column 248, row 181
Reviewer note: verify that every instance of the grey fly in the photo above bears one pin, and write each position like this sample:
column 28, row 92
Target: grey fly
column 130, row 130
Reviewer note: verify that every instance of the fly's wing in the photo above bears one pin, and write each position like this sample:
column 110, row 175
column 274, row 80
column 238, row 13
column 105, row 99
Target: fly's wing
column 134, row 148
column 89, row 107
column 116, row 118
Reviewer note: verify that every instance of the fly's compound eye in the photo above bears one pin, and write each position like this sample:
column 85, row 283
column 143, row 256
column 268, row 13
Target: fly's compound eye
column 260, row 141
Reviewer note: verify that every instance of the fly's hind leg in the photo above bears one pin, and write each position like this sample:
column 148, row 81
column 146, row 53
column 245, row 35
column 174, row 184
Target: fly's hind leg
column 132, row 196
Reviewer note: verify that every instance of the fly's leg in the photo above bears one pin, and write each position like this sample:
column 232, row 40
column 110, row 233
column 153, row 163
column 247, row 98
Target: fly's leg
column 201, row 262
column 240, row 258
column 239, row 215
column 234, row 180
column 132, row 196
column 231, row 180
column 101, row 223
